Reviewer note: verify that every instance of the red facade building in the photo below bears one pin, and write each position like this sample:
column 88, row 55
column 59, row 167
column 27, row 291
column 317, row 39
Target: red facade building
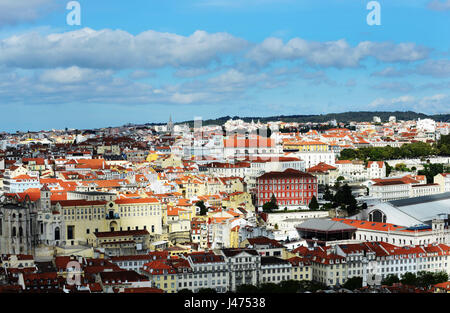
column 291, row 188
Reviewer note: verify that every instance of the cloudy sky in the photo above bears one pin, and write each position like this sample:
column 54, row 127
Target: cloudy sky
column 143, row 60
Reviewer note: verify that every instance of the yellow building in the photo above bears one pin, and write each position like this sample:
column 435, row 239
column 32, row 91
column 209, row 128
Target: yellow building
column 82, row 218
column 178, row 250
column 306, row 146
column 171, row 161
column 109, row 149
column 127, row 239
column 301, row 269
column 234, row 237
column 443, row 180
column 162, row 275
column 239, row 199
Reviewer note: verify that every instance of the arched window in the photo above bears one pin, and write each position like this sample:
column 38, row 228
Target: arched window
column 20, row 232
column 14, row 232
column 377, row 216
column 57, row 234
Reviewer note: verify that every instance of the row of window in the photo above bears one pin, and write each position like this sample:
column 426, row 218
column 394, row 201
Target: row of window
column 275, row 270
column 276, row 278
column 287, row 187
column 286, row 181
column 286, row 194
column 201, row 283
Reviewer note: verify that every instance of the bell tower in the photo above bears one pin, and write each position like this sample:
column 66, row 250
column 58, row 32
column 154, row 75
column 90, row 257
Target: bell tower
column 170, row 125
column 45, row 203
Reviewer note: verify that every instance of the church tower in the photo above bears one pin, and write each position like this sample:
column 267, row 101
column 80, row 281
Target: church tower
column 170, row 125
column 45, row 203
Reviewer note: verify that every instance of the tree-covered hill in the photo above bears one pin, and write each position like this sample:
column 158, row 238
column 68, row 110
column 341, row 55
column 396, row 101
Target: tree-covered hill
column 365, row 116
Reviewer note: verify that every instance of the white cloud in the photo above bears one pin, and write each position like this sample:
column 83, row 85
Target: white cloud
column 191, row 55
column 191, row 72
column 62, row 86
column 389, row 72
column 72, row 75
column 435, row 104
column 395, row 86
column 439, row 5
column 13, row 12
column 337, row 54
column 435, row 68
column 116, row 49
column 389, row 103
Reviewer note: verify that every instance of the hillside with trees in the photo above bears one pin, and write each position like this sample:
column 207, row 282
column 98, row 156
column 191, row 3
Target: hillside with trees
column 364, row 116
column 406, row 151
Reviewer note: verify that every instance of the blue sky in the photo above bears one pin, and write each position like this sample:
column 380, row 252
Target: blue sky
column 145, row 61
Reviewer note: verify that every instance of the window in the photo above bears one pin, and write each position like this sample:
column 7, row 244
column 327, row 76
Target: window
column 70, row 232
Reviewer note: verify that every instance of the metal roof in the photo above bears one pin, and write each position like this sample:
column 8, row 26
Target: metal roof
column 413, row 211
column 419, row 200
column 324, row 225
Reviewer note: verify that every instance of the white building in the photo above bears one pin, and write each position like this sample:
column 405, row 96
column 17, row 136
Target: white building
column 274, row 270
column 312, row 158
column 352, row 170
column 443, row 180
column 376, row 169
column 426, row 125
column 208, row 271
column 400, row 188
column 243, row 265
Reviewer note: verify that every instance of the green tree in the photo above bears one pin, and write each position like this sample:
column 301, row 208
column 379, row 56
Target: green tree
column 425, row 279
column 271, row 205
column 269, row 288
column 247, row 289
column 428, row 279
column 313, row 204
column 327, row 196
column 409, row 279
column 311, row 286
column 388, row 169
column 412, row 150
column 430, row 170
column 353, row 283
column 289, row 286
column 344, row 196
column 440, row 277
column 401, row 167
column 390, row 279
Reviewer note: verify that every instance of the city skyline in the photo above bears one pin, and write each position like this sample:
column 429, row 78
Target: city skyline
column 221, row 120
column 143, row 62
